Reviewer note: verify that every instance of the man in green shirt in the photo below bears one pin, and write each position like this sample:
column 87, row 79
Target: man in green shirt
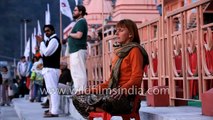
column 77, row 48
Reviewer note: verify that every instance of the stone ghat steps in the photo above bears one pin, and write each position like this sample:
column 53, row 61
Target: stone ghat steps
column 33, row 111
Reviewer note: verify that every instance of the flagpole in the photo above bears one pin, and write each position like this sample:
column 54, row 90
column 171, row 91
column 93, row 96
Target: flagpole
column 61, row 32
column 21, row 40
column 103, row 42
column 25, row 30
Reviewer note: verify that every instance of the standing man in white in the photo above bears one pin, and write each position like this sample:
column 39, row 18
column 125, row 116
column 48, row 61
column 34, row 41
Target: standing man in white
column 77, row 48
column 50, row 51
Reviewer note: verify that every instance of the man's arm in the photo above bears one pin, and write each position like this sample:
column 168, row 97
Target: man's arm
column 77, row 35
column 50, row 49
column 79, row 29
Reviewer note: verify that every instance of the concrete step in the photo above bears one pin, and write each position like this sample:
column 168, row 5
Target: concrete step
column 171, row 113
column 8, row 113
column 33, row 111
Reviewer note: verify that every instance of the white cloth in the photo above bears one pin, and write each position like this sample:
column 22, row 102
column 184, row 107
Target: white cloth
column 65, row 89
column 10, row 91
column 51, row 78
column 35, row 65
column 51, row 48
column 207, row 47
column 78, row 69
column 67, row 50
column 89, row 48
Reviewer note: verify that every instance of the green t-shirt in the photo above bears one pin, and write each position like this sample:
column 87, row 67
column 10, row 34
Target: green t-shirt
column 77, row 44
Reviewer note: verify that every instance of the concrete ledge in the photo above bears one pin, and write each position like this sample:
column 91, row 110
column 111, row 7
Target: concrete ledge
column 74, row 113
column 158, row 99
column 8, row 113
column 32, row 111
column 207, row 106
column 171, row 113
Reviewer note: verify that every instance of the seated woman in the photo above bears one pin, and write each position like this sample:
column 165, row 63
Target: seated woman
column 116, row 95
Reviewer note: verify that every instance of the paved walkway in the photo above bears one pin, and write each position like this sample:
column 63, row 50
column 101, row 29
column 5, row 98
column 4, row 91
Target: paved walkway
column 8, row 113
column 172, row 113
column 33, row 111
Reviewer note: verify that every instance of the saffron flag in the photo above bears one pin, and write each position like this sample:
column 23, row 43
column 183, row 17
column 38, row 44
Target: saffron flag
column 65, row 9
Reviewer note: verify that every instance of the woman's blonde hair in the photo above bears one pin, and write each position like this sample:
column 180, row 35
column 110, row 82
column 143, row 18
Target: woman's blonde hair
column 132, row 28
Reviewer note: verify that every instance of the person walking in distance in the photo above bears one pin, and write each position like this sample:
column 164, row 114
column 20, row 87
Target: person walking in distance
column 77, row 48
column 50, row 51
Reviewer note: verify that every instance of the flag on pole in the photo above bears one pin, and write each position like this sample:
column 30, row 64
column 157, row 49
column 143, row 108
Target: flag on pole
column 34, row 32
column 39, row 28
column 34, row 43
column 47, row 15
column 65, row 9
column 27, row 49
column 47, row 19
column 76, row 2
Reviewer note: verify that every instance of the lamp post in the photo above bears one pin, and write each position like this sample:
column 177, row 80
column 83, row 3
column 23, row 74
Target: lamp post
column 21, row 40
column 25, row 21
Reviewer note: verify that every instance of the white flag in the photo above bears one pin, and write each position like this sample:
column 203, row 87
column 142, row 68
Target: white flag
column 34, row 41
column 27, row 49
column 47, row 19
column 47, row 15
column 34, row 32
column 76, row 2
column 65, row 9
column 39, row 28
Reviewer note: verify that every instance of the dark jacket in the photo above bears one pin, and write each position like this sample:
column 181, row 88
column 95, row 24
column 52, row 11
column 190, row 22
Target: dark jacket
column 0, row 79
column 53, row 61
column 65, row 76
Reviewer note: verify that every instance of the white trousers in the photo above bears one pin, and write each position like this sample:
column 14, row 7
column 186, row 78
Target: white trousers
column 78, row 69
column 1, row 94
column 51, row 78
